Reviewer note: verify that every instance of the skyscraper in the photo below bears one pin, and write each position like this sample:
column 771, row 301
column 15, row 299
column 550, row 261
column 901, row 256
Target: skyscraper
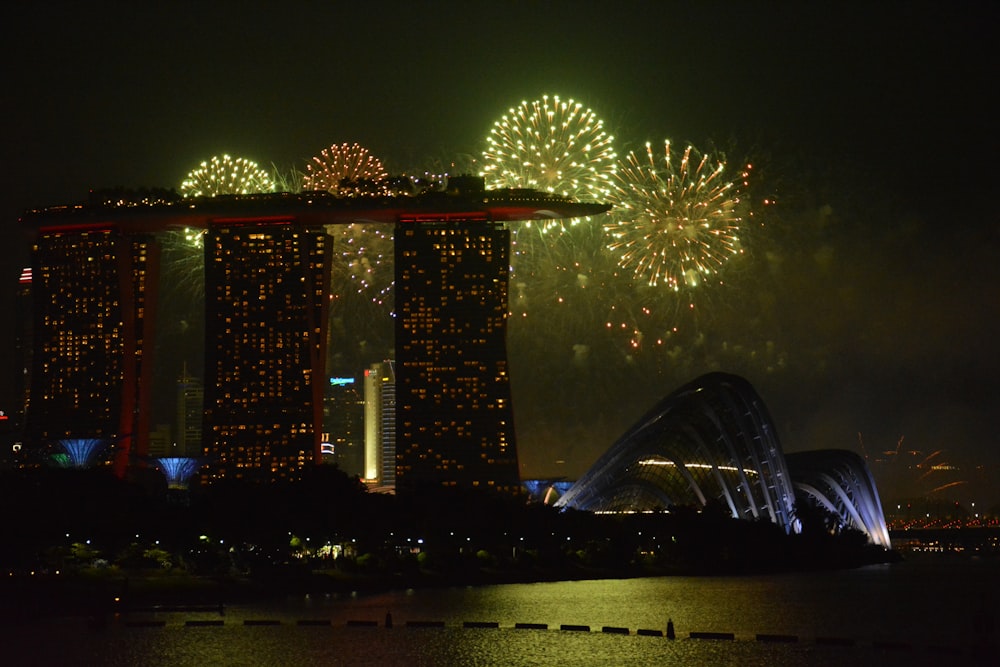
column 23, row 350
column 265, row 333
column 343, row 423
column 380, row 424
column 93, row 296
column 190, row 406
column 454, row 419
column 93, row 299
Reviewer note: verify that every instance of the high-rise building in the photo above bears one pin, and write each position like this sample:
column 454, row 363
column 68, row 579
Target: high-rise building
column 380, row 424
column 454, row 419
column 93, row 289
column 265, row 337
column 93, row 300
column 23, row 344
column 190, row 407
column 343, row 423
column 160, row 443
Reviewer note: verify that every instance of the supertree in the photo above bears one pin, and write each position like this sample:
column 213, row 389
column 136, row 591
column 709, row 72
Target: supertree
column 340, row 165
column 81, row 451
column 675, row 222
column 226, row 175
column 178, row 469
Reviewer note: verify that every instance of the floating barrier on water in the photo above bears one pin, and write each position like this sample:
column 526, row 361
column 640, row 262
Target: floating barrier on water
column 712, row 635
column 878, row 645
column 153, row 608
column 575, row 628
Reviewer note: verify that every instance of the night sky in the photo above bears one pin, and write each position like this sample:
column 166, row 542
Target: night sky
column 866, row 307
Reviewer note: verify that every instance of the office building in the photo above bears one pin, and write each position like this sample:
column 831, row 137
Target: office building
column 93, row 299
column 343, row 424
column 94, row 286
column 190, row 409
column 454, row 419
column 265, row 333
column 380, row 425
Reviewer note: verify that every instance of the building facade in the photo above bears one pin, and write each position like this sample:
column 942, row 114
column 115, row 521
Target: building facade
column 93, row 296
column 380, row 425
column 190, row 410
column 343, row 424
column 265, row 333
column 454, row 418
column 94, row 287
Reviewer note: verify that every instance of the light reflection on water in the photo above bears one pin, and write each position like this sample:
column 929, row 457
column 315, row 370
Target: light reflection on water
column 172, row 646
column 921, row 606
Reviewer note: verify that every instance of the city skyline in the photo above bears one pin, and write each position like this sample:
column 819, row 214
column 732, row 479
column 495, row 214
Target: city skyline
column 865, row 312
column 267, row 295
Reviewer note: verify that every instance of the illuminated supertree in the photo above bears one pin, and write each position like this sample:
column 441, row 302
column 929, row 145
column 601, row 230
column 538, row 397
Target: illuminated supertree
column 675, row 222
column 81, row 451
column 226, row 176
column 178, row 469
column 339, row 165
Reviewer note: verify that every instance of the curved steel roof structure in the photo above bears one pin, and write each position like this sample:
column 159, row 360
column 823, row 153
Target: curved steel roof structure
column 840, row 482
column 713, row 442
column 710, row 441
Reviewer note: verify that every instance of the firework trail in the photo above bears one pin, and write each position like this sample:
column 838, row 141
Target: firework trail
column 184, row 263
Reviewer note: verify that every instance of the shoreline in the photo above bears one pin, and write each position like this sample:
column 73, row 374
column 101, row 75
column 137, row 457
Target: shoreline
column 32, row 598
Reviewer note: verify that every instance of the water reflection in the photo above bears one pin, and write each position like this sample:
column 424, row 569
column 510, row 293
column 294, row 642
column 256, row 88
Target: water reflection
column 910, row 613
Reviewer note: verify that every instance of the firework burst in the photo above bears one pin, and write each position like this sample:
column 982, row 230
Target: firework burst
column 226, row 176
column 339, row 164
column 675, row 222
column 551, row 145
column 364, row 259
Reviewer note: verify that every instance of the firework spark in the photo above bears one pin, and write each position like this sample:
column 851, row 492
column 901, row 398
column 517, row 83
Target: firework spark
column 340, row 164
column 226, row 176
column 675, row 223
